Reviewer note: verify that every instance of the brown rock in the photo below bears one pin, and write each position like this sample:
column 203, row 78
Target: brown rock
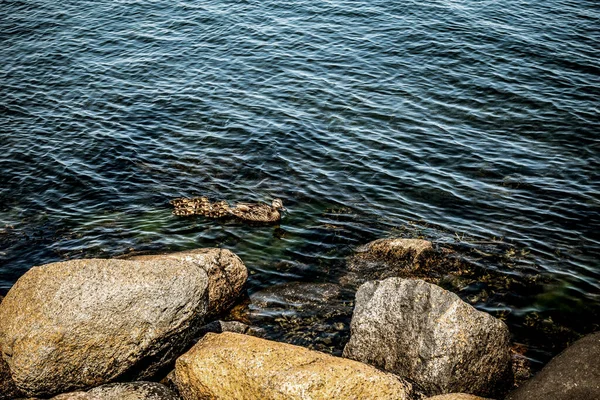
column 234, row 366
column 8, row 389
column 385, row 258
column 81, row 323
column 574, row 374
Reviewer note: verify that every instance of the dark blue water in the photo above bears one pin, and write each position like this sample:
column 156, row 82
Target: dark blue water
column 458, row 121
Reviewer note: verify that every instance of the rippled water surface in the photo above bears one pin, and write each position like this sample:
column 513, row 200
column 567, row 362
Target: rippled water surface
column 470, row 123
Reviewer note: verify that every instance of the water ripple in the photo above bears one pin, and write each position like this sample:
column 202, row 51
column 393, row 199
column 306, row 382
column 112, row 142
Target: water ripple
column 445, row 118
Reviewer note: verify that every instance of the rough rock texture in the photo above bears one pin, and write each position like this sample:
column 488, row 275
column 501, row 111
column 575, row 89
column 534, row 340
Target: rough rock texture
column 226, row 273
column 424, row 333
column 82, row 323
column 74, row 396
column 385, row 258
column 123, row 391
column 572, row 375
column 8, row 389
column 234, row 366
column 455, row 396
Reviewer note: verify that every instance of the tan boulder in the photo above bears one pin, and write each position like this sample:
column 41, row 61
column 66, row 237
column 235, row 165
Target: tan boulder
column 82, row 323
column 235, row 366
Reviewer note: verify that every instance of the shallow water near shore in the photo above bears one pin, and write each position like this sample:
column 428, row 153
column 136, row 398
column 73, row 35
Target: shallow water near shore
column 472, row 124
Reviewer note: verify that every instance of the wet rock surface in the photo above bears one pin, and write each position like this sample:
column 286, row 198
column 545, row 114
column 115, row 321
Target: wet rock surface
column 429, row 335
column 224, row 326
column 234, row 366
column 81, row 323
column 574, row 374
column 297, row 294
column 313, row 315
column 397, row 257
column 123, row 391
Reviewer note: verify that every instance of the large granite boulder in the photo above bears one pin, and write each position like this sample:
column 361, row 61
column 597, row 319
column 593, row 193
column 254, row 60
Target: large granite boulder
column 424, row 333
column 572, row 375
column 81, row 323
column 234, row 366
column 123, row 391
column 226, row 273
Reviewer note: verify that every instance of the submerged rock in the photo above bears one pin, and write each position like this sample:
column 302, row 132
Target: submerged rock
column 313, row 315
column 80, row 323
column 426, row 334
column 233, row 366
column 123, row 391
column 224, row 326
column 385, row 258
column 297, row 294
column 521, row 366
column 572, row 375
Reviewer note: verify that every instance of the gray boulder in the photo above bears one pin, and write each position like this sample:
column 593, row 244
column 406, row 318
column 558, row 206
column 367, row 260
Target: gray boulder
column 226, row 273
column 572, row 375
column 424, row 333
column 77, row 324
column 123, row 391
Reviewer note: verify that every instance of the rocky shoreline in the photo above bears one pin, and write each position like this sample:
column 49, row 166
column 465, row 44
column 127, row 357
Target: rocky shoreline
column 99, row 329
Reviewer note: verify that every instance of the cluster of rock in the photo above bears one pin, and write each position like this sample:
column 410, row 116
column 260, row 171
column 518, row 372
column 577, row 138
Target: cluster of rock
column 82, row 323
column 104, row 329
